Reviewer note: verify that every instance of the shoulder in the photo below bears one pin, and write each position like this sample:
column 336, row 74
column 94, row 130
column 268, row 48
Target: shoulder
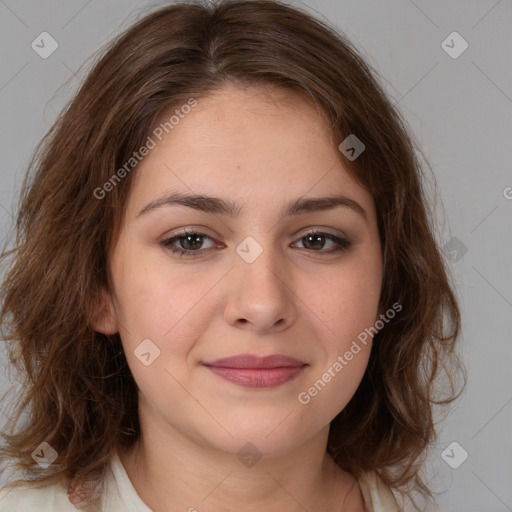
column 377, row 496
column 110, row 491
column 35, row 497
column 366, row 493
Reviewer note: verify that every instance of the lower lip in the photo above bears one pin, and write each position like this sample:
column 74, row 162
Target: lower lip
column 257, row 377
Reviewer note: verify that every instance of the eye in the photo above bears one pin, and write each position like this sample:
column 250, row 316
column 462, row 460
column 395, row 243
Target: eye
column 190, row 242
column 314, row 241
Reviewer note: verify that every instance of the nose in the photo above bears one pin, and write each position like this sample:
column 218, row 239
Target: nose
column 260, row 294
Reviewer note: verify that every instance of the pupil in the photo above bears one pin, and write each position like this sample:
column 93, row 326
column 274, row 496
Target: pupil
column 195, row 239
column 313, row 237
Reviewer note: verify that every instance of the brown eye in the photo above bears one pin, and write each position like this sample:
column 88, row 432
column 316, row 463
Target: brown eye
column 315, row 241
column 188, row 243
column 191, row 241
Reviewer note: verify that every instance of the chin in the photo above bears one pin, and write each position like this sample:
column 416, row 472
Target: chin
column 268, row 439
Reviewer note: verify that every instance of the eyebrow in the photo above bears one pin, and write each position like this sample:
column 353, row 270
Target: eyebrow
column 217, row 205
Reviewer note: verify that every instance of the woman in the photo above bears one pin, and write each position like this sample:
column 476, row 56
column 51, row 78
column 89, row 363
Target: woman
column 226, row 290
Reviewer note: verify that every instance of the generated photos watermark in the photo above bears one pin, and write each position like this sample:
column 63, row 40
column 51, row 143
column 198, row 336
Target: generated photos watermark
column 151, row 142
column 304, row 397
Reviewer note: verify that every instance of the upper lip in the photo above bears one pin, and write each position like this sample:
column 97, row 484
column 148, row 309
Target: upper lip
column 252, row 361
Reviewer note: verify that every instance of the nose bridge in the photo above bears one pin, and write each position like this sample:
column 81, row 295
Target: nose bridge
column 261, row 266
column 260, row 293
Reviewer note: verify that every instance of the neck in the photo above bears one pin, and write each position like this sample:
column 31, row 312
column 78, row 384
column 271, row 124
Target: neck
column 171, row 472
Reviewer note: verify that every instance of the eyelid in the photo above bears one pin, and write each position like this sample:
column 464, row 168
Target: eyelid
column 324, row 230
column 187, row 230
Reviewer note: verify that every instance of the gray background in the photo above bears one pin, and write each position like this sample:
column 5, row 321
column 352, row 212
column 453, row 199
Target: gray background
column 459, row 110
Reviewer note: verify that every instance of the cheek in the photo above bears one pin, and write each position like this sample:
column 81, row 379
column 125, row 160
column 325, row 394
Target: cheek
column 348, row 313
column 171, row 309
column 346, row 302
column 160, row 302
column 334, row 386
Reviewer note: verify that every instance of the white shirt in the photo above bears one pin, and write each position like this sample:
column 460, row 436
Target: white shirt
column 119, row 495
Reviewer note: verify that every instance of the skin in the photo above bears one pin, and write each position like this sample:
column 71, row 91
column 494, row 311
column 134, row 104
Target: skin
column 261, row 149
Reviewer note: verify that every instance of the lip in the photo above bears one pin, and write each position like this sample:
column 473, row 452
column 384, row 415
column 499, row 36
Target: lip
column 256, row 372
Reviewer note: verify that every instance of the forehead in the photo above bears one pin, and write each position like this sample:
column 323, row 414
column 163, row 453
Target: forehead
column 260, row 146
column 237, row 119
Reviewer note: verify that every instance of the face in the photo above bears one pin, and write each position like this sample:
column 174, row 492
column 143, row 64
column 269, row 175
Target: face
column 263, row 280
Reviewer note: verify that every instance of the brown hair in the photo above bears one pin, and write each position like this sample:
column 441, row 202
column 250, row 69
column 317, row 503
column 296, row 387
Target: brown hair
column 79, row 391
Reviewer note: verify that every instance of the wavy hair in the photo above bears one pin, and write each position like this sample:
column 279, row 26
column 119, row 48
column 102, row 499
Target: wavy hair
column 77, row 389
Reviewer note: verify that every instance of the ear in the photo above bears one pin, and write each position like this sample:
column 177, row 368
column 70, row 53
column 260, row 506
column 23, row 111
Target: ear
column 102, row 315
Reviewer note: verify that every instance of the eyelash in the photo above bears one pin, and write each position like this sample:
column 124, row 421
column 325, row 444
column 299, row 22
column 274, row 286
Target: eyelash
column 343, row 243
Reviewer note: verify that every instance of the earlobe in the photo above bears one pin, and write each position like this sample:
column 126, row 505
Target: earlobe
column 102, row 316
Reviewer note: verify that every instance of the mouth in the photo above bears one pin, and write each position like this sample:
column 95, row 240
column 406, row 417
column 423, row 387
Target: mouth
column 257, row 372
